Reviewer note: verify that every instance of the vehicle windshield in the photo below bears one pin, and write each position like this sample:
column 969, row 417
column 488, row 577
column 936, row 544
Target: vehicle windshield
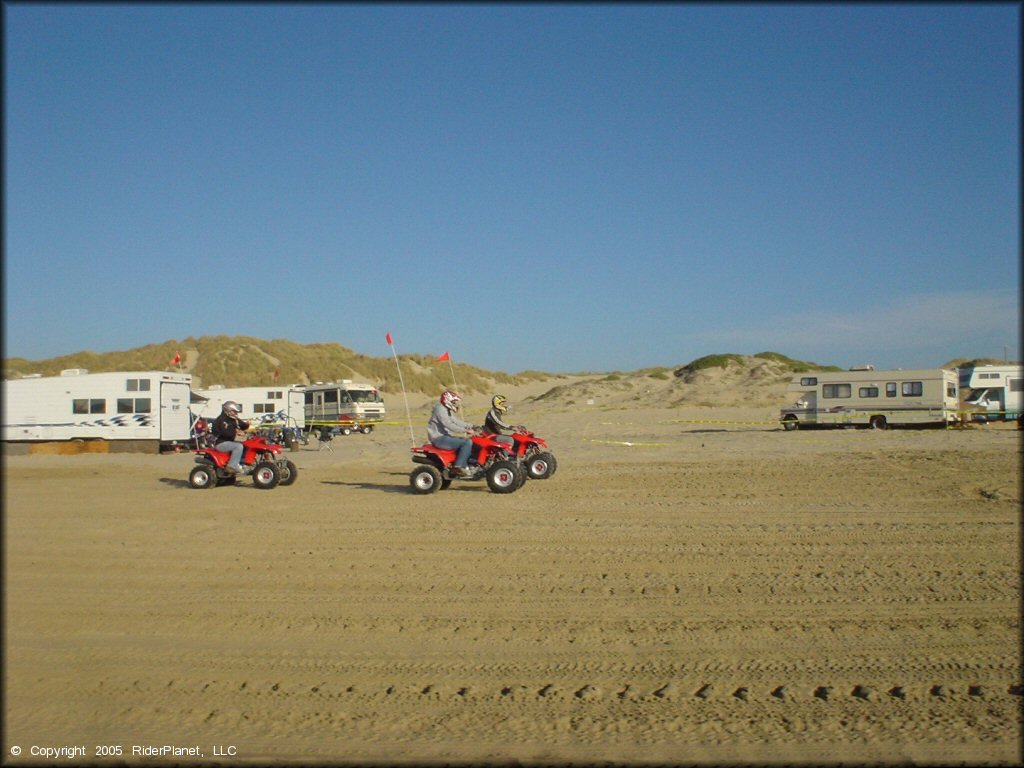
column 363, row 396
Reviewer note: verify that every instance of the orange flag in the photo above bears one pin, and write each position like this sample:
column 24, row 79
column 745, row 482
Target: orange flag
column 176, row 360
column 443, row 357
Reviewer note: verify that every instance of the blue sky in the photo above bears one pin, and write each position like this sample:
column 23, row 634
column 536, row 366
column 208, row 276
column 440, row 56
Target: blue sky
column 563, row 188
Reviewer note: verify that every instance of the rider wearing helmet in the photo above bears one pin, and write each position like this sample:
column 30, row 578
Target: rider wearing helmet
column 442, row 427
column 494, row 423
column 225, row 431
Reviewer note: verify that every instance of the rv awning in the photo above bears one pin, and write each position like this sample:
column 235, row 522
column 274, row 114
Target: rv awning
column 197, row 398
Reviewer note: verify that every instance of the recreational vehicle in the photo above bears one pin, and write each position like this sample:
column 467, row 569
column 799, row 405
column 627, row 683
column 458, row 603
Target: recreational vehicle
column 346, row 405
column 150, row 407
column 878, row 399
column 284, row 405
column 993, row 392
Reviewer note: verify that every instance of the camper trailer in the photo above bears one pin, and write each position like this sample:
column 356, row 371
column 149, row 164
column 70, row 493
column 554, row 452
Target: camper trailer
column 870, row 398
column 283, row 405
column 150, row 407
column 993, row 392
column 343, row 406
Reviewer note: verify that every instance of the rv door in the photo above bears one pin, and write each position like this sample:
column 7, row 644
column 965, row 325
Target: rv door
column 174, row 415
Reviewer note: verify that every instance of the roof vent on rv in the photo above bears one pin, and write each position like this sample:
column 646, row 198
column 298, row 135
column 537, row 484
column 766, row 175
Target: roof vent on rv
column 865, row 367
column 74, row 372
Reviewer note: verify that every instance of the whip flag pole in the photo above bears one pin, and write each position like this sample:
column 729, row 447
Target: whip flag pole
column 443, row 358
column 408, row 415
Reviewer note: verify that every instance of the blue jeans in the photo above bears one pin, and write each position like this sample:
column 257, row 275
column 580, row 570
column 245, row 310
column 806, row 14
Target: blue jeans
column 235, row 449
column 461, row 444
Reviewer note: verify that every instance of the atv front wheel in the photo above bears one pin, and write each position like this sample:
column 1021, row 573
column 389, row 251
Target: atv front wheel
column 288, row 471
column 425, row 479
column 202, row 477
column 265, row 475
column 504, row 477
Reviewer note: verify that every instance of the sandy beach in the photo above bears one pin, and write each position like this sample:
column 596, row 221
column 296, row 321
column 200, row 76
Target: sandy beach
column 693, row 585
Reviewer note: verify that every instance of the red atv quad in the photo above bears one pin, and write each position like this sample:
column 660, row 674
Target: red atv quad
column 260, row 458
column 532, row 451
column 503, row 474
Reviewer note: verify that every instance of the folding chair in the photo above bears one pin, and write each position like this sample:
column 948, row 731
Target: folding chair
column 325, row 439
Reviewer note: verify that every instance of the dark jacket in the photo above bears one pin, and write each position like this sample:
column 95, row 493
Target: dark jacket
column 493, row 423
column 226, row 428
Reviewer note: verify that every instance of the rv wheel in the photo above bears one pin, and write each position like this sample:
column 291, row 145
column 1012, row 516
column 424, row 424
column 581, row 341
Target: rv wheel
column 790, row 423
column 878, row 422
column 346, row 431
column 366, row 429
column 202, row 477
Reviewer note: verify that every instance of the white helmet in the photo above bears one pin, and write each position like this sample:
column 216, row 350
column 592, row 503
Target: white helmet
column 450, row 400
column 231, row 408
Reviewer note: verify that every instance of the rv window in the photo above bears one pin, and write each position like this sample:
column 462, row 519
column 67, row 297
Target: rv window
column 913, row 388
column 950, row 389
column 809, row 381
column 142, row 405
column 868, row 392
column 125, row 405
column 138, row 385
column 309, row 398
column 274, row 396
column 79, row 405
column 89, row 406
column 836, row 390
column 263, row 408
column 330, row 395
column 1016, row 385
column 890, row 389
column 988, row 375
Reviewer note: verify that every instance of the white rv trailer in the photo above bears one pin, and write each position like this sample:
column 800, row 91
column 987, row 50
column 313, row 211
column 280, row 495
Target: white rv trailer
column 344, row 405
column 149, row 406
column 993, row 392
column 256, row 404
column 878, row 399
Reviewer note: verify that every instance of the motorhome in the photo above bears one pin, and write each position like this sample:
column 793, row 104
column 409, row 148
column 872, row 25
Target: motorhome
column 993, row 392
column 345, row 405
column 877, row 399
column 148, row 407
column 279, row 405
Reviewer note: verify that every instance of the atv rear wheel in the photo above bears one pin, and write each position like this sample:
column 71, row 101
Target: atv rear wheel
column 202, row 476
column 541, row 466
column 265, row 475
column 426, row 479
column 504, row 477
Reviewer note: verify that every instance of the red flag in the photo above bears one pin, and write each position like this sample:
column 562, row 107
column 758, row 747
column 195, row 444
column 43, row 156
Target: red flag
column 388, row 338
column 176, row 360
column 277, row 374
column 443, row 357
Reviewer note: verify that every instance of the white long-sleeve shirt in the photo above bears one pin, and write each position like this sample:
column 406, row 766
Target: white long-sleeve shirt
column 444, row 422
